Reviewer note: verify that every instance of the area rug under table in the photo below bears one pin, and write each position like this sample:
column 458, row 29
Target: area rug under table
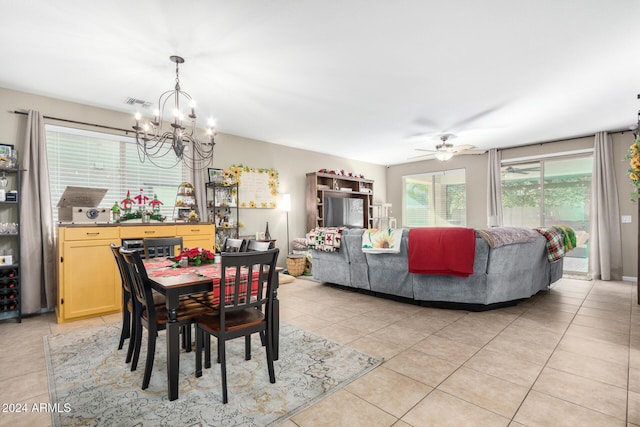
column 92, row 385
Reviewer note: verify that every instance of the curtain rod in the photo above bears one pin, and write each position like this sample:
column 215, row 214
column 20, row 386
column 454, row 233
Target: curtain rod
column 531, row 144
column 126, row 131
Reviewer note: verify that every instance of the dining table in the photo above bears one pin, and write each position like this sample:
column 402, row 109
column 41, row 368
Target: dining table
column 174, row 282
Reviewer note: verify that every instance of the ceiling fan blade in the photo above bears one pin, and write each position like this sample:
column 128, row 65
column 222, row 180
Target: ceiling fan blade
column 424, row 122
column 523, row 171
column 424, row 149
column 459, row 148
column 420, row 156
column 473, row 151
column 417, row 135
column 469, row 120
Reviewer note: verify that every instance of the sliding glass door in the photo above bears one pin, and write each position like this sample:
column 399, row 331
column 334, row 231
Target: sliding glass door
column 551, row 192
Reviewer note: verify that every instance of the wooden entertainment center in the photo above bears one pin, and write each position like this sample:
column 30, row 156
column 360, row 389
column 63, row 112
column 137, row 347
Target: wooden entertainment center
column 325, row 186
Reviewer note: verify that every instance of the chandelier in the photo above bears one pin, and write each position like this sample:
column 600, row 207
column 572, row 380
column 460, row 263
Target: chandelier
column 159, row 136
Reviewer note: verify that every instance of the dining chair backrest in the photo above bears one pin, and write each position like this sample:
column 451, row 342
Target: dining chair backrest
column 257, row 245
column 249, row 278
column 115, row 250
column 161, row 246
column 127, row 300
column 140, row 284
column 234, row 245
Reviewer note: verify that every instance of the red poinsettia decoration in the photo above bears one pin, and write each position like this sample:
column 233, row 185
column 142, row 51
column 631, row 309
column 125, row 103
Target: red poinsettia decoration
column 196, row 256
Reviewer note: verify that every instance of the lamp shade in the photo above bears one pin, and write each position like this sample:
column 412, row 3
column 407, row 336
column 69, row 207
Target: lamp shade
column 285, row 203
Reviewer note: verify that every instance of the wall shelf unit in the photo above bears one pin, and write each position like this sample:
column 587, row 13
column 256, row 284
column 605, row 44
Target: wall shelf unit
column 10, row 289
column 185, row 203
column 222, row 210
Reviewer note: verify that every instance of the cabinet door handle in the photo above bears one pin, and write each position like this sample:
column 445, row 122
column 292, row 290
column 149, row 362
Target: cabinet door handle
column 195, row 231
column 95, row 233
column 149, row 232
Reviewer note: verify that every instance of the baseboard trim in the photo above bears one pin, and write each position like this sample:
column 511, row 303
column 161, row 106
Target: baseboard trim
column 629, row 279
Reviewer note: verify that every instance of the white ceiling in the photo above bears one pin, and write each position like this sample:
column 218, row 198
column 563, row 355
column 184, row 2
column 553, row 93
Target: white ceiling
column 353, row 78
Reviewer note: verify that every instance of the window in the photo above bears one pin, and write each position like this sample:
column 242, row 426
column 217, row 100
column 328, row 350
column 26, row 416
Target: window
column 435, row 199
column 548, row 192
column 93, row 159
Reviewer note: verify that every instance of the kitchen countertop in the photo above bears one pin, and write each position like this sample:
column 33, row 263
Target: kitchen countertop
column 126, row 224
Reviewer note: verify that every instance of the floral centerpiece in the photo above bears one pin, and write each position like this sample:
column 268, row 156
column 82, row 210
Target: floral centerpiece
column 195, row 256
column 634, row 165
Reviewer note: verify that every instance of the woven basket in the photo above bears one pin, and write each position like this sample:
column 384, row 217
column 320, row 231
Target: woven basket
column 295, row 264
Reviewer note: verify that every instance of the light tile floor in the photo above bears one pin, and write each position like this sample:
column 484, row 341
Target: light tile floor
column 567, row 357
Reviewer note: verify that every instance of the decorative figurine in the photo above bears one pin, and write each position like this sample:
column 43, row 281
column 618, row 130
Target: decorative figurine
column 155, row 204
column 126, row 213
column 115, row 211
column 141, row 199
column 127, row 202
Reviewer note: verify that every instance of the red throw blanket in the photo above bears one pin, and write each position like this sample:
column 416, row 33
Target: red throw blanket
column 442, row 250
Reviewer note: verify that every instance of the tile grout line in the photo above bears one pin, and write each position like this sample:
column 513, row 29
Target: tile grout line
column 461, row 365
column 550, row 355
column 626, row 413
column 554, row 350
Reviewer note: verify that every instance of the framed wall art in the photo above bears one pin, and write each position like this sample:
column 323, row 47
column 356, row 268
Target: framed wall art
column 215, row 175
column 257, row 188
column 5, row 152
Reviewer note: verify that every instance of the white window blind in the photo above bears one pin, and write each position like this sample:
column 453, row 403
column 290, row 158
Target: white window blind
column 92, row 159
column 436, row 199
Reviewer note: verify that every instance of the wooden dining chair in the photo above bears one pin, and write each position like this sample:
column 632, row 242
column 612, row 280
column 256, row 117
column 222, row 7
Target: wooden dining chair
column 161, row 246
column 152, row 316
column 233, row 245
column 129, row 314
column 127, row 302
column 258, row 245
column 239, row 313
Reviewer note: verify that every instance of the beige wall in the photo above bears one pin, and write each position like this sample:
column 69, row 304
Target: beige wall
column 476, row 174
column 476, row 169
column 291, row 163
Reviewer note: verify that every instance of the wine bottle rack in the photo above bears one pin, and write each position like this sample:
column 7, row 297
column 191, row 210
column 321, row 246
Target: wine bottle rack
column 9, row 292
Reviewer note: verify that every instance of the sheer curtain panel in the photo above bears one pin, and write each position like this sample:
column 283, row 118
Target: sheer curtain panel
column 494, row 190
column 605, row 255
column 37, row 245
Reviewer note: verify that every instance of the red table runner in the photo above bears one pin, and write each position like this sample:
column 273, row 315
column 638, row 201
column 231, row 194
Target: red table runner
column 162, row 267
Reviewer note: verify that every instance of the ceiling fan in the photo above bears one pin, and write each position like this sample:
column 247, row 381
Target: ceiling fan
column 445, row 150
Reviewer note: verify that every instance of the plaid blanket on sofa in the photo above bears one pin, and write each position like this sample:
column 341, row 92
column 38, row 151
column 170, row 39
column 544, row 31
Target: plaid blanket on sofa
column 326, row 239
column 555, row 242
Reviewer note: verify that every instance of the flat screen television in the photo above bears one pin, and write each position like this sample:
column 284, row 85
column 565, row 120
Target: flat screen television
column 343, row 212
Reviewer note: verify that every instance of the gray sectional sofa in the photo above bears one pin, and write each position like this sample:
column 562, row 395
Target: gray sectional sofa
column 501, row 276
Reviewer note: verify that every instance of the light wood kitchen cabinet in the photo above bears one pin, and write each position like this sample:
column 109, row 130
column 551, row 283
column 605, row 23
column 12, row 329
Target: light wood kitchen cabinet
column 88, row 278
column 197, row 235
column 142, row 231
